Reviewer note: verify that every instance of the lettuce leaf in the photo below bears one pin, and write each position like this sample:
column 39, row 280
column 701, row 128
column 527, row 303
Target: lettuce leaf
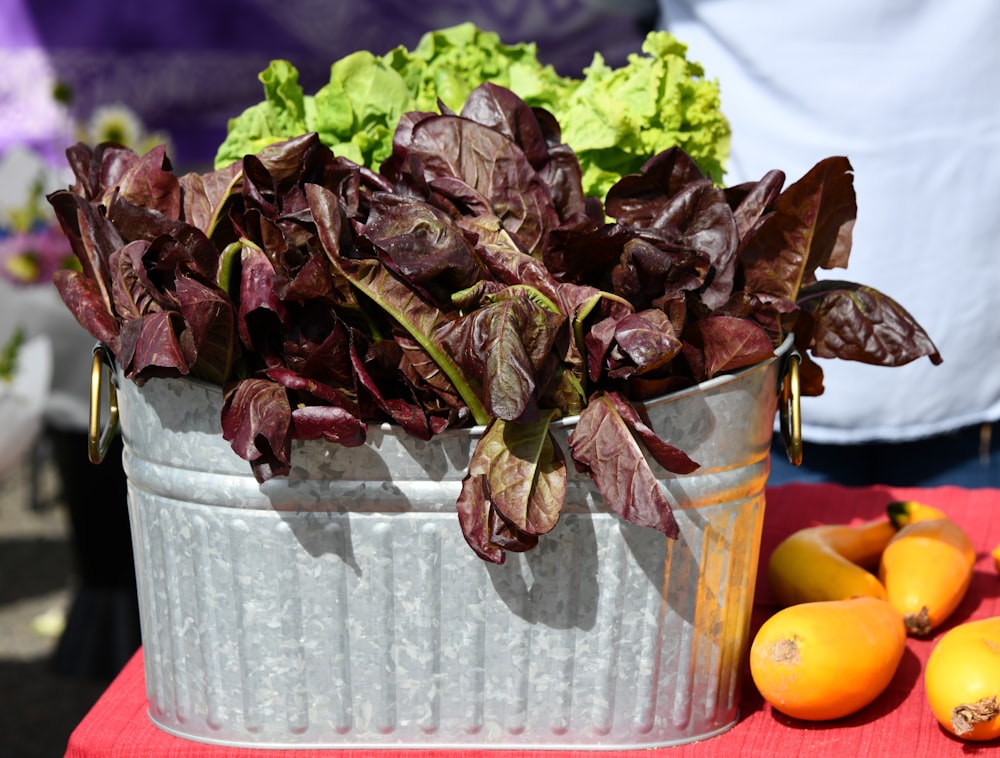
column 614, row 122
column 280, row 115
column 448, row 64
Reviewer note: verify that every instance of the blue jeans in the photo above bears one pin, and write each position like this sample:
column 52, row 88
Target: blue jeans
column 968, row 457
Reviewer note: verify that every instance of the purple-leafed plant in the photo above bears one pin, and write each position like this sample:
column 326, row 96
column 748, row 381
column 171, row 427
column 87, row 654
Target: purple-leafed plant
column 468, row 281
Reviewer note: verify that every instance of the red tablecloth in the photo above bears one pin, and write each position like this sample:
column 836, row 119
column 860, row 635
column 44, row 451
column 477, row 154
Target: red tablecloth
column 898, row 722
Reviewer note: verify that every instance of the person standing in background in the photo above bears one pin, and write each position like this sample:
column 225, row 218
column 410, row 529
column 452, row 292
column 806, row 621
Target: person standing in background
column 908, row 90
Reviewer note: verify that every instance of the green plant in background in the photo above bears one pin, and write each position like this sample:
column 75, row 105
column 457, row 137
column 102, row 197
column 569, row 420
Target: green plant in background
column 8, row 355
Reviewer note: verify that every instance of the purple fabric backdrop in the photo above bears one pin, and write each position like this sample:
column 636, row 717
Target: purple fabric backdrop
column 187, row 66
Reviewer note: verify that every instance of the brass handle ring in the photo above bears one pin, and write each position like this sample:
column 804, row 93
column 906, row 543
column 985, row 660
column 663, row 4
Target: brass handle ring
column 791, row 410
column 99, row 442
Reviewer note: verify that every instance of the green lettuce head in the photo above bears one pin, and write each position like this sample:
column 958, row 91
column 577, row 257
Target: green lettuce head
column 614, row 119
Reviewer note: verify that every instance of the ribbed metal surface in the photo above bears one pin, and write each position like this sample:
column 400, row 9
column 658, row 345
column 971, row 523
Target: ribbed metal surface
column 342, row 607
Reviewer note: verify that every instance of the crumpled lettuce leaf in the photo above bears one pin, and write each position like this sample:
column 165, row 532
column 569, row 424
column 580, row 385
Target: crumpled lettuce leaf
column 615, row 125
column 281, row 114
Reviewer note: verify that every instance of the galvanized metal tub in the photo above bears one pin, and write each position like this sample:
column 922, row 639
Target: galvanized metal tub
column 340, row 606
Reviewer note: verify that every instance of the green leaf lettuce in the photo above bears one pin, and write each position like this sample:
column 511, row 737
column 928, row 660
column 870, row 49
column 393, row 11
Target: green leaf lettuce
column 615, row 119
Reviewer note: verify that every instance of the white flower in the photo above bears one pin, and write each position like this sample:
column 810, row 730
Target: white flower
column 115, row 123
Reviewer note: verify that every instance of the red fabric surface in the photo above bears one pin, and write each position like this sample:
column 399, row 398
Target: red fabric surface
column 898, row 722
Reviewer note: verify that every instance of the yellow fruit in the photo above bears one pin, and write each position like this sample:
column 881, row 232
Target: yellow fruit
column 827, row 659
column 903, row 512
column 962, row 679
column 926, row 569
column 827, row 562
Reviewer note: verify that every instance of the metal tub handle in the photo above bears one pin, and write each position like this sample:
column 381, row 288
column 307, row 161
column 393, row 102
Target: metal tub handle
column 790, row 409
column 99, row 441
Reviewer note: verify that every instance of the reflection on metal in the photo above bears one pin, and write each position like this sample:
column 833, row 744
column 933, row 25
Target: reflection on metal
column 789, row 407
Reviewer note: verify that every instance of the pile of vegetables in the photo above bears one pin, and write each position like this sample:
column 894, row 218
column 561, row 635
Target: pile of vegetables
column 470, row 281
column 850, row 595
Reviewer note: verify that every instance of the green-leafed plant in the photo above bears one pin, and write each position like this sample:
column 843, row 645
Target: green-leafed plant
column 469, row 281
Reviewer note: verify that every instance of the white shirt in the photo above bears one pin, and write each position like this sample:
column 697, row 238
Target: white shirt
column 909, row 91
